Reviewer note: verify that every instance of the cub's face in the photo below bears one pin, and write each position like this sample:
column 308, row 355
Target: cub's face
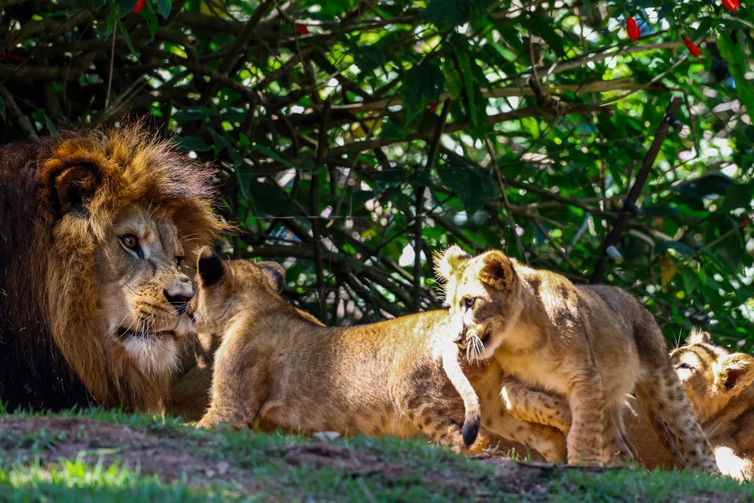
column 711, row 376
column 481, row 294
column 143, row 290
column 227, row 288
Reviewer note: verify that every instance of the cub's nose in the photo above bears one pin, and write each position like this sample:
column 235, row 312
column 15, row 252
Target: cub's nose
column 179, row 293
column 460, row 339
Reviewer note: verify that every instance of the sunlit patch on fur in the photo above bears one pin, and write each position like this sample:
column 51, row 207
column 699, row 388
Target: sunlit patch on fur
column 155, row 355
column 730, row 463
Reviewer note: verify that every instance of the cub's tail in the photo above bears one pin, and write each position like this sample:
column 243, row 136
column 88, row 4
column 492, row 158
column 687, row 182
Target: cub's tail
column 472, row 419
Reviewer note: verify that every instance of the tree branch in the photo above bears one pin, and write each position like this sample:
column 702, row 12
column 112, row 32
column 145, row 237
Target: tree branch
column 629, row 203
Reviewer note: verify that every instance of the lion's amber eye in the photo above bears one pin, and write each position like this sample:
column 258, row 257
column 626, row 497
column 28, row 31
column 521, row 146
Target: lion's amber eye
column 130, row 241
column 468, row 302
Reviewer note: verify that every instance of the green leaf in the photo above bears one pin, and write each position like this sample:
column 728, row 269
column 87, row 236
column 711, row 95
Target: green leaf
column 472, row 187
column 370, row 57
column 41, row 117
column 151, row 18
column 268, row 198
column 192, row 114
column 737, row 196
column 446, row 14
column 193, row 143
column 737, row 65
column 540, row 25
column 681, row 248
column 126, row 37
column 164, row 7
column 335, row 8
column 704, row 186
column 423, row 85
column 126, row 6
column 472, row 79
column 274, row 155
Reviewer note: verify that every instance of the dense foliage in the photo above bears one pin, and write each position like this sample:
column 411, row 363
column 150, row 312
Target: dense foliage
column 351, row 133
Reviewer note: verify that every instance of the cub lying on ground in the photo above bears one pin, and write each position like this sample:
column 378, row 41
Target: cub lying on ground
column 278, row 367
column 593, row 344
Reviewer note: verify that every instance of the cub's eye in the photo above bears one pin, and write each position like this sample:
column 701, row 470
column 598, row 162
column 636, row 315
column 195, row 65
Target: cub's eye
column 684, row 366
column 179, row 260
column 468, row 302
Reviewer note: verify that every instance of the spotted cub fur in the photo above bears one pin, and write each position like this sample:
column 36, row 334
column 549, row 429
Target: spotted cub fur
column 593, row 344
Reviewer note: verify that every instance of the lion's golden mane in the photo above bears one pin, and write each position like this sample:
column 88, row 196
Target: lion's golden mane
column 58, row 200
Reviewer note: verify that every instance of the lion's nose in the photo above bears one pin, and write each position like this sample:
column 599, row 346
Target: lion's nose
column 180, row 293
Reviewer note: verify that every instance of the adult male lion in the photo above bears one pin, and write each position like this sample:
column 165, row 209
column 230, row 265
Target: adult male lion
column 94, row 229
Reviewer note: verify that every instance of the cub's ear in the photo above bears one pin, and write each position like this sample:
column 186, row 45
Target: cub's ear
column 736, row 374
column 497, row 271
column 72, row 187
column 698, row 336
column 447, row 262
column 210, row 266
column 274, row 273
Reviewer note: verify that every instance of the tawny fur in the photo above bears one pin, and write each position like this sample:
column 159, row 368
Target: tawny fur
column 593, row 344
column 59, row 200
column 720, row 388
column 277, row 367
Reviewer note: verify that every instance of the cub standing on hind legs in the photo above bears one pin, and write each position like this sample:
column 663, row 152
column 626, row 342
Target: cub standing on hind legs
column 594, row 344
column 279, row 367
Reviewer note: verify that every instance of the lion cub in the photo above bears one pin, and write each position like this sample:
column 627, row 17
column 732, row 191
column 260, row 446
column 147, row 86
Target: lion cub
column 719, row 386
column 278, row 367
column 594, row 344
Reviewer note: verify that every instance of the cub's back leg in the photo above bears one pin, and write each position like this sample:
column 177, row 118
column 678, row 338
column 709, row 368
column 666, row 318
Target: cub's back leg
column 434, row 407
column 534, row 406
column 663, row 400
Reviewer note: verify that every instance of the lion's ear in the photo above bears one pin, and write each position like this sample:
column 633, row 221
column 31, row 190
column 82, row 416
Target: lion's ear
column 73, row 187
column 497, row 271
column 737, row 373
column 210, row 266
column 698, row 336
column 446, row 263
column 274, row 273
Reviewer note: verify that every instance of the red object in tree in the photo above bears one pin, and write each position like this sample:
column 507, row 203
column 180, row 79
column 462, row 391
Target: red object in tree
column 634, row 33
column 12, row 58
column 139, row 5
column 432, row 106
column 302, row 29
column 691, row 46
column 731, row 5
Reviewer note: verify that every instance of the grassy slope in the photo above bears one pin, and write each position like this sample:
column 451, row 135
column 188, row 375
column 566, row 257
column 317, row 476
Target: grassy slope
column 106, row 456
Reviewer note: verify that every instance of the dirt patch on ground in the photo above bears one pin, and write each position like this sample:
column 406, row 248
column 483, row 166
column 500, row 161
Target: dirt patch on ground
column 281, row 468
column 172, row 454
column 165, row 452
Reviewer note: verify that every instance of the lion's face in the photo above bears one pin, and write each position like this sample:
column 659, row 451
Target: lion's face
column 711, row 376
column 481, row 295
column 143, row 291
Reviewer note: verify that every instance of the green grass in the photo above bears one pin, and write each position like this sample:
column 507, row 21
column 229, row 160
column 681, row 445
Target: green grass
column 146, row 459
